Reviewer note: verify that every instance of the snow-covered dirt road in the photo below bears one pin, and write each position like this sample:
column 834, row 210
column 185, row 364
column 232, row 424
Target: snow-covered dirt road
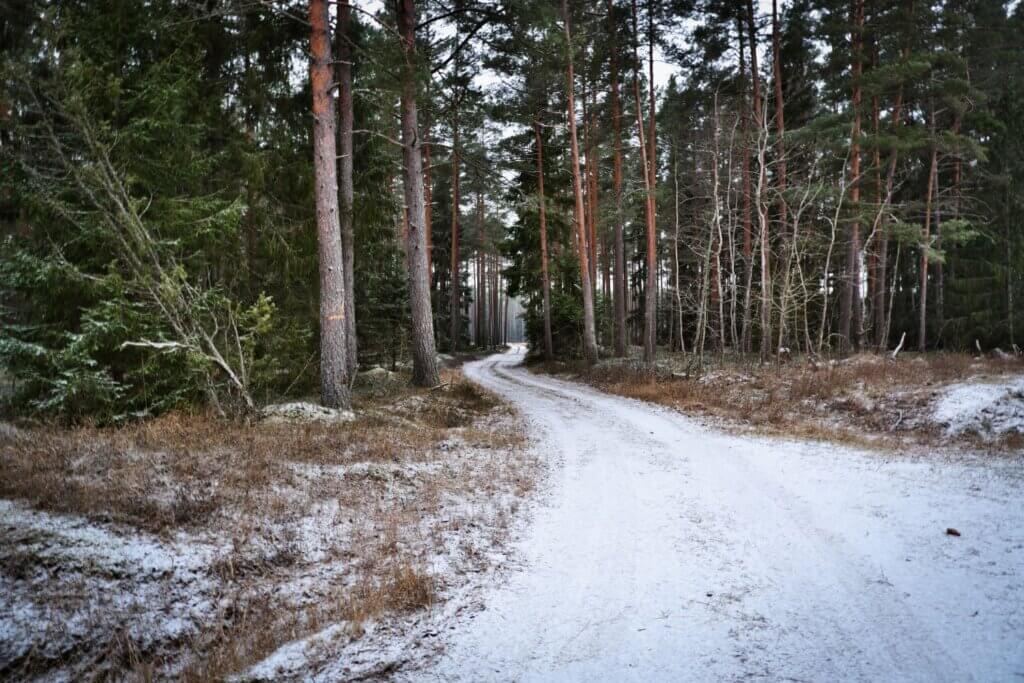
column 665, row 550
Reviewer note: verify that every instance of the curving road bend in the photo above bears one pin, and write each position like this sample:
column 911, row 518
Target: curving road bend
column 667, row 550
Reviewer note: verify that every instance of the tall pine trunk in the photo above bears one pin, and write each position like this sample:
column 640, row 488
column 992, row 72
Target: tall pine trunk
column 647, row 168
column 483, row 337
column 428, row 206
column 334, row 365
column 922, row 337
column 762, row 217
column 780, row 130
column 347, row 119
column 849, row 311
column 589, row 334
column 424, row 353
column 619, row 292
column 748, row 256
column 651, row 314
column 456, row 279
column 879, row 308
column 549, row 352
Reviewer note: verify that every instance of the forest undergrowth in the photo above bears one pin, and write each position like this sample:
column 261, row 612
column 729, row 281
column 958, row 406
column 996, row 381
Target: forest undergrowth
column 866, row 400
column 189, row 547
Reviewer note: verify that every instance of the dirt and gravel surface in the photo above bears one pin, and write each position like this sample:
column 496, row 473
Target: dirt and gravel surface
column 666, row 550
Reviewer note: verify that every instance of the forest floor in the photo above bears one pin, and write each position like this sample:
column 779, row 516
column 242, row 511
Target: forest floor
column 665, row 549
column 873, row 401
column 192, row 549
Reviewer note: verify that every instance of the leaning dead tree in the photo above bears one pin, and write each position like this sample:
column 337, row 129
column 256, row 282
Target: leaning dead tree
column 73, row 155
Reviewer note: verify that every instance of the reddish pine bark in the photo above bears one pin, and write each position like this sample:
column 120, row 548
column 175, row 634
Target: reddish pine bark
column 647, row 168
column 589, row 335
column 334, row 375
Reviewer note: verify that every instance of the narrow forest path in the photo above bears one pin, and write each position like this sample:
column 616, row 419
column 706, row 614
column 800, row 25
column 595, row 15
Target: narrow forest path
column 670, row 551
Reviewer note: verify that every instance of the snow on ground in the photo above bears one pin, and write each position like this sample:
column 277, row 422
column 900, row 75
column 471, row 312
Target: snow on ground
column 70, row 584
column 987, row 408
column 82, row 597
column 305, row 411
column 670, row 551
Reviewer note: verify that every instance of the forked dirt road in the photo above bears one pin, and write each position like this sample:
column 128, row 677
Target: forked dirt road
column 666, row 550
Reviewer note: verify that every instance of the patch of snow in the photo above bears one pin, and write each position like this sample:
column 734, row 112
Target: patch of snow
column 71, row 581
column 377, row 374
column 985, row 408
column 304, row 411
column 293, row 657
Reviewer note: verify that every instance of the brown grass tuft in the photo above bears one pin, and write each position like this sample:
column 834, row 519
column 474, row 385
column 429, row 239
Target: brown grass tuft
column 388, row 489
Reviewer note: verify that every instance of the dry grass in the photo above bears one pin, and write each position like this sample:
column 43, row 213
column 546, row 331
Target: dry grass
column 389, row 491
column 400, row 587
column 864, row 400
column 183, row 471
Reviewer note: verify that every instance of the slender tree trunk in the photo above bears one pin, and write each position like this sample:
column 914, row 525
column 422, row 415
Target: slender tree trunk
column 347, row 120
column 876, row 164
column 590, row 168
column 849, row 313
column 647, row 167
column 504, row 319
column 925, row 241
column 880, row 307
column 619, row 292
column 780, row 129
column 456, row 280
column 651, row 314
column 549, row 352
column 763, row 228
column 424, row 352
column 748, row 255
column 481, row 275
column 716, row 237
column 495, row 299
column 675, row 249
column 334, row 365
column 428, row 206
column 589, row 335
